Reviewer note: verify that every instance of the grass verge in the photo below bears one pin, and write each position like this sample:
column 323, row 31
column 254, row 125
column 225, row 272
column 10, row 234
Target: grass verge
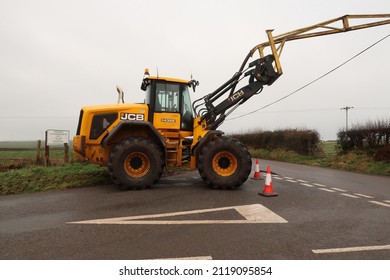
column 353, row 161
column 39, row 178
column 32, row 178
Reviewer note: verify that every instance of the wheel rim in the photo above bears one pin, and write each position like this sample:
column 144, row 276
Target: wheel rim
column 224, row 163
column 136, row 164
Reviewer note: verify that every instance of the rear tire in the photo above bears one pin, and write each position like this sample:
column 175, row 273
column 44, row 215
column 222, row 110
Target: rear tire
column 135, row 163
column 224, row 163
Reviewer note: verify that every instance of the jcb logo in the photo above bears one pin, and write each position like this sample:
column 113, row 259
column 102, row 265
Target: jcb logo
column 236, row 95
column 132, row 117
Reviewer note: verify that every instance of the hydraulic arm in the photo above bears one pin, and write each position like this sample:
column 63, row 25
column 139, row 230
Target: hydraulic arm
column 267, row 69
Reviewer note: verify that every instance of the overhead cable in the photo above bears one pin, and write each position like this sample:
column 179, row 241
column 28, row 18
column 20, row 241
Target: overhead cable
column 312, row 82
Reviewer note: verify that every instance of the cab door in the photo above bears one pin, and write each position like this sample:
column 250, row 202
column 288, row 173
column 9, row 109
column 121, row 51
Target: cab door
column 167, row 106
column 172, row 106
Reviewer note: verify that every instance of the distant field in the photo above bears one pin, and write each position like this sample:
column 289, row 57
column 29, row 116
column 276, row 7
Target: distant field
column 329, row 148
column 12, row 151
column 25, row 145
column 8, row 145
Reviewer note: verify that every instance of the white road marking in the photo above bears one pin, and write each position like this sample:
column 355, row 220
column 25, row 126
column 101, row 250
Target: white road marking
column 363, row 195
column 380, row 203
column 351, row 249
column 252, row 214
column 387, row 201
column 355, row 195
column 307, row 185
column 327, row 190
column 292, row 181
column 349, row 195
column 339, row 190
column 275, row 177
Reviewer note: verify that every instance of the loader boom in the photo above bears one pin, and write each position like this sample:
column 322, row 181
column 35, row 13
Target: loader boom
column 267, row 69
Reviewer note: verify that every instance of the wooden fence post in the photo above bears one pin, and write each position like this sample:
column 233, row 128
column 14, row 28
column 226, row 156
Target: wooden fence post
column 38, row 153
column 66, row 147
column 47, row 156
column 47, row 161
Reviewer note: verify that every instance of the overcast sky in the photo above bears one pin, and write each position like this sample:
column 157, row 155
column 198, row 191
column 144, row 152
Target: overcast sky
column 57, row 56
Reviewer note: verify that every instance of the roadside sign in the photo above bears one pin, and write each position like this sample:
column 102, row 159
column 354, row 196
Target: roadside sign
column 57, row 137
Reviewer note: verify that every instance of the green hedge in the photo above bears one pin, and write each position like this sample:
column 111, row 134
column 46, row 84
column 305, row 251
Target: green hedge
column 301, row 141
column 368, row 136
column 372, row 137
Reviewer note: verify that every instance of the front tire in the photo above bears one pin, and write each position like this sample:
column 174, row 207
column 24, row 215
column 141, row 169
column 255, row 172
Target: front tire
column 224, row 163
column 135, row 163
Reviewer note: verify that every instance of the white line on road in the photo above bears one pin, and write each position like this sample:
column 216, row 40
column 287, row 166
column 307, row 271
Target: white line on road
column 252, row 214
column 289, row 178
column 349, row 195
column 292, row 181
column 327, row 190
column 302, row 181
column 380, row 203
column 319, row 185
column 339, row 190
column 363, row 195
column 351, row 249
column 387, row 201
column 307, row 185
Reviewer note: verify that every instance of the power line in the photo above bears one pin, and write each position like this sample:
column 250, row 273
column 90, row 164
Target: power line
column 322, row 110
column 312, row 82
column 301, row 110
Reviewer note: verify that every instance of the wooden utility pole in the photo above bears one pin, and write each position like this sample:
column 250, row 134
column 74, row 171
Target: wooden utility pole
column 346, row 116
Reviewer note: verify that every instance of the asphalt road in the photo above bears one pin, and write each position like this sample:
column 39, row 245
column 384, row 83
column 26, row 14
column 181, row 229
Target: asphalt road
column 318, row 214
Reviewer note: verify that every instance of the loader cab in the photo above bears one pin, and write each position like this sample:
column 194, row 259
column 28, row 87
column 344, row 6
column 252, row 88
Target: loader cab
column 169, row 103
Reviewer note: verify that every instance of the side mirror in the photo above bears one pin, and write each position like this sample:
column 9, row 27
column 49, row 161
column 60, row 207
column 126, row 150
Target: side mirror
column 145, row 83
column 193, row 83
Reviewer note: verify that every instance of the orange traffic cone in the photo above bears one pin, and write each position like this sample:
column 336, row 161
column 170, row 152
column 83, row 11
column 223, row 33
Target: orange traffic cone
column 256, row 175
column 268, row 185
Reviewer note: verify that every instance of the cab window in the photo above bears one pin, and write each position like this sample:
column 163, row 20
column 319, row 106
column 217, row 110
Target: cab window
column 100, row 123
column 167, row 98
column 186, row 109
